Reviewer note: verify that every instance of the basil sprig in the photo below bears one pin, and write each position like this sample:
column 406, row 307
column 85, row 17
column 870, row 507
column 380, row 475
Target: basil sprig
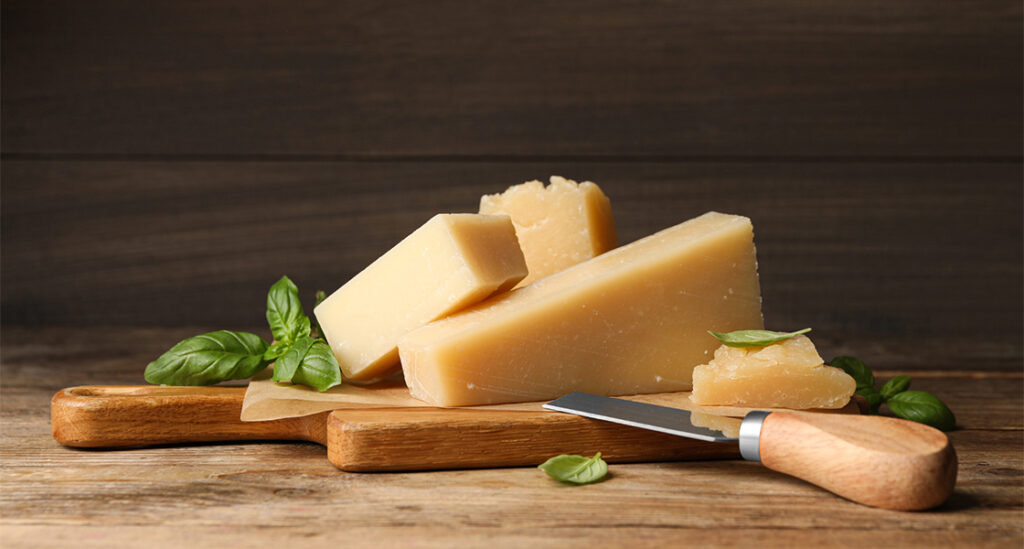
column 299, row 356
column 916, row 406
column 575, row 469
column 754, row 338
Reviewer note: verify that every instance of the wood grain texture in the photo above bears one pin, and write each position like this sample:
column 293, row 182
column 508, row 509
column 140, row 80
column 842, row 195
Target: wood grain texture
column 878, row 461
column 272, row 494
column 374, row 440
column 428, row 439
column 110, row 416
column 794, row 79
column 904, row 248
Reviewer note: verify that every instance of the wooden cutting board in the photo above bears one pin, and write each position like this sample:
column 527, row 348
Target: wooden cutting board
column 364, row 440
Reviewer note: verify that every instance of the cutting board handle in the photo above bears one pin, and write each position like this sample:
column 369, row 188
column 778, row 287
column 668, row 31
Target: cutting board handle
column 879, row 461
column 109, row 416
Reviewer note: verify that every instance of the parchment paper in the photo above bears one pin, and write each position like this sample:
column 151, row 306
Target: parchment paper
column 266, row 399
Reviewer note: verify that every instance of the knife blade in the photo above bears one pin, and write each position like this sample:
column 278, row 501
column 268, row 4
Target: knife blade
column 878, row 461
column 673, row 421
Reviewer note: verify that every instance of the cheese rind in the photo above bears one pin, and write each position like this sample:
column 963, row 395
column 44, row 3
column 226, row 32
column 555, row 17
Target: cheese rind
column 633, row 320
column 788, row 374
column 449, row 263
column 559, row 225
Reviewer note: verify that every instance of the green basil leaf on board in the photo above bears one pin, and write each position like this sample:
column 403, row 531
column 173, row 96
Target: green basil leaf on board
column 288, row 322
column 309, row 362
column 924, row 408
column 895, row 386
column 209, row 358
column 754, row 338
column 276, row 350
column 318, row 369
column 873, row 397
column 857, row 370
column 287, row 364
column 575, row 469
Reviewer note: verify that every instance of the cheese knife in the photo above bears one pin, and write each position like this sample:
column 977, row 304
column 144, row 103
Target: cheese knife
column 878, row 461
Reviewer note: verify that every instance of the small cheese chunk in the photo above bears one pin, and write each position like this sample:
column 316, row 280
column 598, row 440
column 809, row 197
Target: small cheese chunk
column 633, row 320
column 558, row 226
column 451, row 262
column 789, row 374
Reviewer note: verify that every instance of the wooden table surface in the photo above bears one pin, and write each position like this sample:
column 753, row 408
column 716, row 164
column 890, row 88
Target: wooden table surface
column 164, row 162
column 270, row 494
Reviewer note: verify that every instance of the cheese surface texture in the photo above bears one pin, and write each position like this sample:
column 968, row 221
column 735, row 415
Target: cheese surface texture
column 633, row 320
column 558, row 226
column 789, row 374
column 451, row 262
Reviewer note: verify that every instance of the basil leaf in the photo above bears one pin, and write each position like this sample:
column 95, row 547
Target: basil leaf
column 873, row 397
column 575, row 469
column 857, row 370
column 309, row 362
column 286, row 366
column 287, row 320
column 276, row 350
column 209, row 358
column 895, row 385
column 924, row 408
column 319, row 369
column 754, row 338
column 320, row 297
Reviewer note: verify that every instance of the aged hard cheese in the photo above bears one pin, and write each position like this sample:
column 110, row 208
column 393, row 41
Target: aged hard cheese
column 789, row 374
column 633, row 320
column 558, row 226
column 451, row 262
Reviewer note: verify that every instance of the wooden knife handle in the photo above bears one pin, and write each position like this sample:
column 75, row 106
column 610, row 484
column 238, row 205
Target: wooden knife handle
column 879, row 461
column 96, row 416
column 424, row 439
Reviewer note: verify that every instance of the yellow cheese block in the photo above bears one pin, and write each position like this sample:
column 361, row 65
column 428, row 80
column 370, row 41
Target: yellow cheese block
column 451, row 262
column 558, row 226
column 788, row 374
column 633, row 320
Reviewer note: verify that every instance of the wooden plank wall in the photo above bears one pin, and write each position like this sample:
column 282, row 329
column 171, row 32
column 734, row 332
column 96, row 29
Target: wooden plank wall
column 165, row 162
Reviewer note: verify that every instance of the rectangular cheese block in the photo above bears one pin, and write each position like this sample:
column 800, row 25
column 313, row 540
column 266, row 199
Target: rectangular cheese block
column 558, row 226
column 633, row 320
column 451, row 262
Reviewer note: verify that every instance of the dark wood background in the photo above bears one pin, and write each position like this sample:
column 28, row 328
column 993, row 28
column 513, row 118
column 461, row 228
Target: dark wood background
column 165, row 162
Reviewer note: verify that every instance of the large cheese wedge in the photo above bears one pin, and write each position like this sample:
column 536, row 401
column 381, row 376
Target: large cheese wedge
column 451, row 262
column 788, row 374
column 633, row 320
column 558, row 226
